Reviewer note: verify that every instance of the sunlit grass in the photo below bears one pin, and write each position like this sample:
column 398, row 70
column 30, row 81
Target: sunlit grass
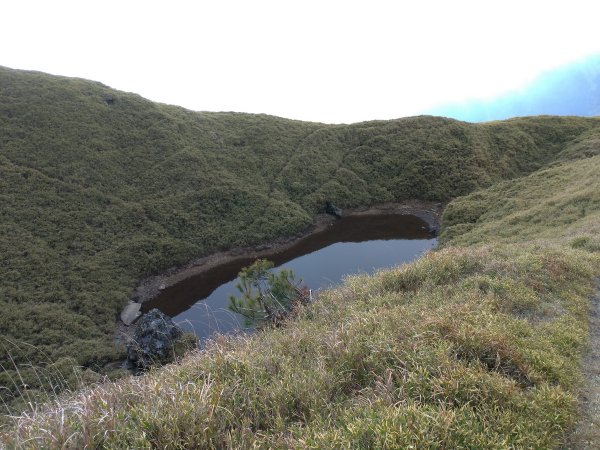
column 467, row 361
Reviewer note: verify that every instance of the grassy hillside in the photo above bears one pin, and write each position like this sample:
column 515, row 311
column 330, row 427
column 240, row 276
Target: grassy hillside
column 100, row 188
column 522, row 210
column 476, row 345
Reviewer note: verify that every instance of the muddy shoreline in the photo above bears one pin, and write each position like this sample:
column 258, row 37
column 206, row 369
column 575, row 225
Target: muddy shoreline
column 150, row 287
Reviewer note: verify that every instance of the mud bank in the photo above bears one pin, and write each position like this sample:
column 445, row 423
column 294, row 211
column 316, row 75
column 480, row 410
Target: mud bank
column 150, row 287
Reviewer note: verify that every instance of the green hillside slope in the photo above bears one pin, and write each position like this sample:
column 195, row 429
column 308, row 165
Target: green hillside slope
column 475, row 345
column 100, row 188
column 522, row 209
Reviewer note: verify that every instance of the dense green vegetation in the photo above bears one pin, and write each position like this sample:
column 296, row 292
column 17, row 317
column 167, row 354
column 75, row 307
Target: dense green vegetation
column 100, row 188
column 472, row 346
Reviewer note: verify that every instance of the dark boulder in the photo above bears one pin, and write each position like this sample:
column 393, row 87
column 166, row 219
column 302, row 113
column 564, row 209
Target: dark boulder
column 330, row 208
column 109, row 99
column 153, row 340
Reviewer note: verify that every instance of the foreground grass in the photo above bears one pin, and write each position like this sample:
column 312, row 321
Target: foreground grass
column 474, row 348
column 476, row 345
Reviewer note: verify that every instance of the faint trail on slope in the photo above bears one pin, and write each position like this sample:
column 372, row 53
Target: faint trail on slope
column 587, row 433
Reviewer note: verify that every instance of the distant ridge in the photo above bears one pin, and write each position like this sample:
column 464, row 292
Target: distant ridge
column 569, row 90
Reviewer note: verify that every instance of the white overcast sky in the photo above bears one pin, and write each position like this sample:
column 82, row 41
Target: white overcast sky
column 328, row 61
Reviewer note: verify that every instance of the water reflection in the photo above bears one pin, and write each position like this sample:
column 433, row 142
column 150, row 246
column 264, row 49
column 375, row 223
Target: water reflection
column 350, row 245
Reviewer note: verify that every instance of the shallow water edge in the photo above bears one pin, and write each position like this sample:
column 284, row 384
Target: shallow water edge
column 152, row 287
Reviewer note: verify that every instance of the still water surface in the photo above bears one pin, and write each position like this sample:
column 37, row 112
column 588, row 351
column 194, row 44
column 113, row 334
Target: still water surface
column 356, row 244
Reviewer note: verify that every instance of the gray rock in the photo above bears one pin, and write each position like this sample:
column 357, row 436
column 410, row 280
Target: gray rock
column 130, row 313
column 153, row 340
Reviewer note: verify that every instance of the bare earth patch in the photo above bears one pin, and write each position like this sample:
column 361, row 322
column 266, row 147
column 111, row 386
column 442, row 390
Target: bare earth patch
column 587, row 433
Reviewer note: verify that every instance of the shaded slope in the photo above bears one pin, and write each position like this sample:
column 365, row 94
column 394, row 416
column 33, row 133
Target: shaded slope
column 101, row 188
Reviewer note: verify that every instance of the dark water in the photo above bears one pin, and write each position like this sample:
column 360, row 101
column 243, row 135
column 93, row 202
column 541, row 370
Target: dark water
column 350, row 245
